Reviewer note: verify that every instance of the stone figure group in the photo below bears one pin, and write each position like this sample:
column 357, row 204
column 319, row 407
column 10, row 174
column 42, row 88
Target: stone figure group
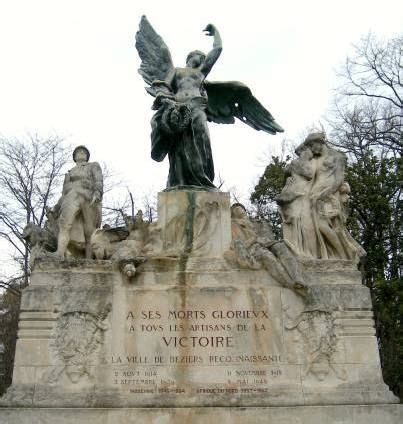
column 72, row 229
column 313, row 203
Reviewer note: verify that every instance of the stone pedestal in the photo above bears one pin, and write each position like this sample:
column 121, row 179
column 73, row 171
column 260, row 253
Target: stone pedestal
column 191, row 338
column 195, row 222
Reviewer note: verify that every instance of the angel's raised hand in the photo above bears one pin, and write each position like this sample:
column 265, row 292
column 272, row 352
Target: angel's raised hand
column 210, row 30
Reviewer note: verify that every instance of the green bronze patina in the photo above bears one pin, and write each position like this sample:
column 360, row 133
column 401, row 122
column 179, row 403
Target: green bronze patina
column 185, row 101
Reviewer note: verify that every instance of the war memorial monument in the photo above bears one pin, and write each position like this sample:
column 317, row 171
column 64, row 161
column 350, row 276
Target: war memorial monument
column 201, row 315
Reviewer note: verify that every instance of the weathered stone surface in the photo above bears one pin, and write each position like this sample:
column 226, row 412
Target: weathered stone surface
column 197, row 223
column 195, row 336
column 340, row 414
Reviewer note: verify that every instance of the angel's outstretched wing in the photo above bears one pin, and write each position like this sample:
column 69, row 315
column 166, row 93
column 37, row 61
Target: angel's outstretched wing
column 232, row 99
column 156, row 62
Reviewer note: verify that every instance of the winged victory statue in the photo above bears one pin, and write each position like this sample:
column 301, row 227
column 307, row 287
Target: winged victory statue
column 185, row 101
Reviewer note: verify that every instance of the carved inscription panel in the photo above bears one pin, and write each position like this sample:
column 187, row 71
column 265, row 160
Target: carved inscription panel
column 198, row 341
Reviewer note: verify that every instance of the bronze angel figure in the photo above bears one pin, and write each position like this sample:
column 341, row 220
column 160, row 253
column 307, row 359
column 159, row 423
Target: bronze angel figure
column 185, row 101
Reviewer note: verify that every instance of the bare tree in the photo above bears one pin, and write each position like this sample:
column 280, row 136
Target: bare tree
column 114, row 212
column 31, row 170
column 367, row 126
column 117, row 210
column 149, row 205
column 369, row 104
column 375, row 71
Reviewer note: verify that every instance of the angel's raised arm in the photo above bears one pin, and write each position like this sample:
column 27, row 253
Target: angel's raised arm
column 214, row 54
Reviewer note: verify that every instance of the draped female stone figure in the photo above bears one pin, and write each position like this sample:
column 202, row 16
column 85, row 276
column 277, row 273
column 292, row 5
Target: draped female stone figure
column 312, row 203
column 295, row 204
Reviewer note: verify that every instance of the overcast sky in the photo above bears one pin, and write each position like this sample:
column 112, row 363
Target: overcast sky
column 70, row 67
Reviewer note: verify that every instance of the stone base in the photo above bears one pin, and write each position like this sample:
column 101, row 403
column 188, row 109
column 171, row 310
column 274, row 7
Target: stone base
column 193, row 336
column 205, row 337
column 340, row 414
